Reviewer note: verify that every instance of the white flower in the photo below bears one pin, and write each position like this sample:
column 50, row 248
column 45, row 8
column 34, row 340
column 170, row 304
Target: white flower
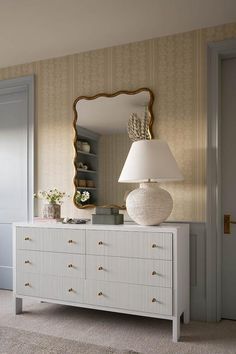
column 52, row 196
column 82, row 197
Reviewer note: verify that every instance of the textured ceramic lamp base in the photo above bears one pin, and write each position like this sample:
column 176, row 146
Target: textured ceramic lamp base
column 149, row 204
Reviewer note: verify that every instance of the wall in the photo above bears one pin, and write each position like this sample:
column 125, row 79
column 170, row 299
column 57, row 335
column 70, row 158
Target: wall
column 174, row 67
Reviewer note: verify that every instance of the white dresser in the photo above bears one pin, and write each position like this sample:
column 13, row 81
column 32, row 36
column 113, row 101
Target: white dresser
column 125, row 268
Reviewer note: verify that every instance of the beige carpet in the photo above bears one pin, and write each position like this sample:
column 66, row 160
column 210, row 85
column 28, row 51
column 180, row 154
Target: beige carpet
column 18, row 341
column 121, row 332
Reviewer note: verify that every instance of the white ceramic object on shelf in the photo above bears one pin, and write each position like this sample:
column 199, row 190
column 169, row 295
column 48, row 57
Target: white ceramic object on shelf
column 85, row 147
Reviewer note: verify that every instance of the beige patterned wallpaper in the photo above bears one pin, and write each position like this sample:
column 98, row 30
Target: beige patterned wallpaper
column 174, row 67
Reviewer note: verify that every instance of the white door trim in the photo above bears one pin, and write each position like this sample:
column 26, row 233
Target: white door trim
column 216, row 52
column 25, row 83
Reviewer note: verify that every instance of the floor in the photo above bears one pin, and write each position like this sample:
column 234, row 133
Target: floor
column 144, row 335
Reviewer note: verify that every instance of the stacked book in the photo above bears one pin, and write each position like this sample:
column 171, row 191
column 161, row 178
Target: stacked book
column 108, row 216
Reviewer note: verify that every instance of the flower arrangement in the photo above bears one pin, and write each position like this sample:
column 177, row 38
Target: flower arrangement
column 53, row 196
column 81, row 197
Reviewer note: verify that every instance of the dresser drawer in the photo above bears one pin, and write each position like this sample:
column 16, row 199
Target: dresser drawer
column 49, row 239
column 129, row 244
column 27, row 284
column 50, row 287
column 59, row 264
column 130, row 297
column 72, row 290
column 62, row 288
column 28, row 261
column 129, row 270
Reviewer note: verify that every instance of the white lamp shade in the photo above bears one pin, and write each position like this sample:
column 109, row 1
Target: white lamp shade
column 150, row 160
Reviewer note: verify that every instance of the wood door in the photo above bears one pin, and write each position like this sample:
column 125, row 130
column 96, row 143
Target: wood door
column 228, row 163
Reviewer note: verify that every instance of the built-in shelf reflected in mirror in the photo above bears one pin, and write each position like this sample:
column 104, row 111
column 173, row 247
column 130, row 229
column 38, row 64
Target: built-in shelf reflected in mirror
column 102, row 143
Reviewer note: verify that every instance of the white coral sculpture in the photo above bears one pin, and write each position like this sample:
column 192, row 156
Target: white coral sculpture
column 138, row 129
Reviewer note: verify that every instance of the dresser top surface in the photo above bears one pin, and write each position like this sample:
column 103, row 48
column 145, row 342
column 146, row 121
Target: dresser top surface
column 128, row 226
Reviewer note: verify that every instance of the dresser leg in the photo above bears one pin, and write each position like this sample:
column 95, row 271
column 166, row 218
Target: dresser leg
column 186, row 316
column 176, row 329
column 18, row 305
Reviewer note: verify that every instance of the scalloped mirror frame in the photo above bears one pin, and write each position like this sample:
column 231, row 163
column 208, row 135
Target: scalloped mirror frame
column 108, row 95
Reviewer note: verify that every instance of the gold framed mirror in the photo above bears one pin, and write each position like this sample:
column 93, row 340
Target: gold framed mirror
column 102, row 144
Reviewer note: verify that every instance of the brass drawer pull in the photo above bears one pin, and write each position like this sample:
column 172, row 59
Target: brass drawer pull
column 70, row 266
column 100, row 268
column 27, row 284
column 100, row 293
column 100, row 243
column 154, row 273
column 70, row 290
column 154, row 300
column 27, row 262
column 70, row 241
column 27, row 238
column 154, row 245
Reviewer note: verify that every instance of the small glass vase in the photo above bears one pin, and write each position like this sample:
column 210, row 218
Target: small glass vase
column 52, row 211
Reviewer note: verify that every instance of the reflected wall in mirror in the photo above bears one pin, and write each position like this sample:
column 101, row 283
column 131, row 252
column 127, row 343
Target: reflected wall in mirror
column 102, row 144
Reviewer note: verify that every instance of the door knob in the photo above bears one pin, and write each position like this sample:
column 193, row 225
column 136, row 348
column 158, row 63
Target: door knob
column 227, row 222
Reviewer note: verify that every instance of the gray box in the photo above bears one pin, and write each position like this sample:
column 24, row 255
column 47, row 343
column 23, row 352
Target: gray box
column 108, row 219
column 106, row 211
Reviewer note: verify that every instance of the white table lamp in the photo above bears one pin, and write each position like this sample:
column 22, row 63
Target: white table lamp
column 148, row 162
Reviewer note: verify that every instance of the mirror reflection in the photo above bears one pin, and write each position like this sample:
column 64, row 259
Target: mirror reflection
column 102, row 144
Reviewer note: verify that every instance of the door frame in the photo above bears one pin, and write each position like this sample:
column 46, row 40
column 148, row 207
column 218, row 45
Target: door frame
column 25, row 83
column 216, row 52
